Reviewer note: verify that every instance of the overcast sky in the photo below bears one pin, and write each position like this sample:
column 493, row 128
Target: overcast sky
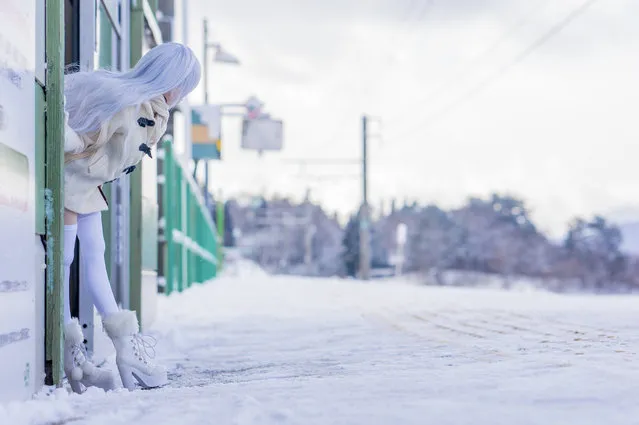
column 557, row 128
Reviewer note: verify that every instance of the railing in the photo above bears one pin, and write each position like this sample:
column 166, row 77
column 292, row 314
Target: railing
column 188, row 237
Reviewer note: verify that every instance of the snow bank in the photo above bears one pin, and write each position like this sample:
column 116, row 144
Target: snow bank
column 49, row 407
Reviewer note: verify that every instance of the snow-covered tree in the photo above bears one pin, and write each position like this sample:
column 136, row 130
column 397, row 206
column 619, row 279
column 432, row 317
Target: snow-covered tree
column 596, row 245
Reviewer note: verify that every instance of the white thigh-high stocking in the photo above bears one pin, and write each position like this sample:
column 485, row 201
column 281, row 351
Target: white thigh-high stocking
column 95, row 275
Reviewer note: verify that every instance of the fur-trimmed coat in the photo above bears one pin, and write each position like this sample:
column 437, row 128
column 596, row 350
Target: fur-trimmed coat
column 109, row 153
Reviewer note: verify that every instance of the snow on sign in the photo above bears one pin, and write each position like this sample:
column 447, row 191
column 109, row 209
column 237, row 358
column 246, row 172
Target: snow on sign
column 253, row 107
column 17, row 196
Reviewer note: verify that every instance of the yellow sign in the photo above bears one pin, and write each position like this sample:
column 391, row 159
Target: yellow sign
column 205, row 132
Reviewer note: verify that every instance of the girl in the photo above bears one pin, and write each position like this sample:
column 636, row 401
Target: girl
column 114, row 120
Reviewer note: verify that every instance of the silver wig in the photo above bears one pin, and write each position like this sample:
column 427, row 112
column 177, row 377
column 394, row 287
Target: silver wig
column 93, row 97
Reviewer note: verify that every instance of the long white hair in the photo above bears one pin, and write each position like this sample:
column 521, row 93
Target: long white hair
column 93, row 97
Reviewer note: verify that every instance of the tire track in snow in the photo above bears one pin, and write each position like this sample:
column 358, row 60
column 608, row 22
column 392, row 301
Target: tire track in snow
column 495, row 326
column 577, row 331
column 446, row 348
column 576, row 337
column 504, row 319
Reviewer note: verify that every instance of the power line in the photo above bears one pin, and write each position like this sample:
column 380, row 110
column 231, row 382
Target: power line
column 427, row 6
column 554, row 30
column 410, row 11
column 469, row 66
column 328, row 177
column 412, row 7
column 322, row 161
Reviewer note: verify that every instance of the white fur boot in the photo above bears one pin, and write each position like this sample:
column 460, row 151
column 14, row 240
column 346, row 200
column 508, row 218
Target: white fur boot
column 132, row 357
column 79, row 370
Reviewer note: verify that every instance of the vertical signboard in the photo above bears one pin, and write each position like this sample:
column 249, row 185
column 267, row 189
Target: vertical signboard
column 206, row 122
column 17, row 199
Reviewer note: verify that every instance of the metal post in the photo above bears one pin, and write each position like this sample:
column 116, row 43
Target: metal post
column 183, row 197
column 220, row 229
column 136, row 25
column 206, row 102
column 169, row 214
column 186, row 107
column 162, row 213
column 205, row 56
column 87, row 35
column 54, row 175
column 196, row 163
column 364, row 160
column 364, row 214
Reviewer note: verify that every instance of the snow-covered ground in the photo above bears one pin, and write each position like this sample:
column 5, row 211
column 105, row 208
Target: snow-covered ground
column 252, row 349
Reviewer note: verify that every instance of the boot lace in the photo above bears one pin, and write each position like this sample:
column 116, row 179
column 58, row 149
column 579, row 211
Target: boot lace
column 79, row 353
column 144, row 347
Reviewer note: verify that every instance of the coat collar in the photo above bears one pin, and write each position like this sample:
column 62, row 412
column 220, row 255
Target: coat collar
column 160, row 107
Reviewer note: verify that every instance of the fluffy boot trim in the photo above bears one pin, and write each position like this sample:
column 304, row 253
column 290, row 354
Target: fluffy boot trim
column 120, row 324
column 73, row 332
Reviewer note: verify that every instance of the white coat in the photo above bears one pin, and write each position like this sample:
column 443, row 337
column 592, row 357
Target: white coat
column 109, row 153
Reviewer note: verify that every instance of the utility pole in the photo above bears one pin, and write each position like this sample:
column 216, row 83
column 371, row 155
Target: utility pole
column 364, row 213
column 220, row 56
column 205, row 58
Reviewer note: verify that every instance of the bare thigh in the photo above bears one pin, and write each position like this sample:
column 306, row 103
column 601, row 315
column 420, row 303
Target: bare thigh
column 70, row 217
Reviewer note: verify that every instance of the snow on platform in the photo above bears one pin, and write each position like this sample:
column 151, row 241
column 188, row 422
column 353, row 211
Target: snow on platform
column 253, row 349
